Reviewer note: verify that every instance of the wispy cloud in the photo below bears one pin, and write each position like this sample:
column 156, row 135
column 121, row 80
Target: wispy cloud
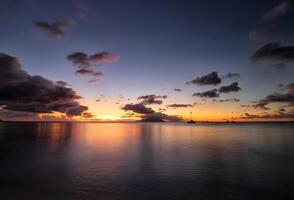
column 277, row 11
column 262, row 34
column 88, row 72
column 178, row 90
column 179, row 105
column 55, row 30
column 82, row 60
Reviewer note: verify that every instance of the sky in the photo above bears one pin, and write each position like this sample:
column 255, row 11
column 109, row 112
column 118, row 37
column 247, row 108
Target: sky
column 155, row 60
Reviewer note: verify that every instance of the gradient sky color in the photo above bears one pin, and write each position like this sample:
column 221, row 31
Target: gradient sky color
column 161, row 45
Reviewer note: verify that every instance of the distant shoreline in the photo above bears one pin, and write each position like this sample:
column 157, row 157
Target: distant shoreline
column 132, row 122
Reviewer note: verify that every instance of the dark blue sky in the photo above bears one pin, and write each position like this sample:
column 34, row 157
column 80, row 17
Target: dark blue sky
column 161, row 44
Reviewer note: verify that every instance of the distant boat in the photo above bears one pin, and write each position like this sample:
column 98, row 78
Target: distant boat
column 231, row 121
column 191, row 121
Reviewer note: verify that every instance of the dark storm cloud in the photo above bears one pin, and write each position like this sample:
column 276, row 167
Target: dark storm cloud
column 209, row 79
column 278, row 11
column 207, row 94
column 88, row 72
column 148, row 114
column 83, row 60
column 152, row 99
column 179, row 105
column 262, row 34
column 274, row 52
column 20, row 91
column 230, row 88
column 178, row 90
column 56, row 29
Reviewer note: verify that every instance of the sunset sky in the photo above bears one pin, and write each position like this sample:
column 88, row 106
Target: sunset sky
column 153, row 60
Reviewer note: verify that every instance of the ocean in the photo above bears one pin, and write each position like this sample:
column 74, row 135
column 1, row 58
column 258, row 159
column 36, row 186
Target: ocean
column 143, row 161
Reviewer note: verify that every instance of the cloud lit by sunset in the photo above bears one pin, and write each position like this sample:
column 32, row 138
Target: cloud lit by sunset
column 125, row 65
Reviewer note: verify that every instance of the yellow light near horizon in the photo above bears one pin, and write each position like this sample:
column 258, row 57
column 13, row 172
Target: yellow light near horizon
column 108, row 117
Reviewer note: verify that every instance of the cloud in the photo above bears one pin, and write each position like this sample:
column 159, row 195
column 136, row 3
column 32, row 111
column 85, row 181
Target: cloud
column 179, row 105
column 55, row 30
column 277, row 11
column 81, row 9
column 277, row 98
column 9, row 115
column 245, row 106
column 93, row 80
column 280, row 115
column 10, row 71
column 199, row 103
column 161, row 117
column 281, row 110
column 274, row 98
column 207, row 94
column 290, row 88
column 209, row 79
column 88, row 72
column 178, row 90
column 230, row 88
column 101, row 98
column 274, row 52
column 148, row 114
column 62, row 83
column 20, row 91
column 262, row 34
column 232, row 100
column 280, row 66
column 232, row 75
column 83, row 60
column 138, row 108
column 152, row 99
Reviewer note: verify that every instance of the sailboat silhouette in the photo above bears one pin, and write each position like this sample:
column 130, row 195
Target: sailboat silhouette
column 191, row 121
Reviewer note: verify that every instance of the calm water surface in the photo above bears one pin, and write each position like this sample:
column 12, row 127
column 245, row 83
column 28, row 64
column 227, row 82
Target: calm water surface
column 146, row 161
